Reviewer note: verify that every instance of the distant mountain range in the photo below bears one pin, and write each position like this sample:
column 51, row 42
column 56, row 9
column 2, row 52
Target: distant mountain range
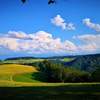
column 54, row 57
column 18, row 58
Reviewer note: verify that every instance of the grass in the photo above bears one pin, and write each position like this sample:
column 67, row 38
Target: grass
column 67, row 59
column 35, row 77
column 16, row 69
column 22, row 61
column 15, row 75
column 52, row 91
column 8, row 71
column 27, row 77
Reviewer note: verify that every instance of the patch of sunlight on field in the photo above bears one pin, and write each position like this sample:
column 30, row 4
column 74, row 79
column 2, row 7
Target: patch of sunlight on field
column 67, row 59
column 16, row 69
column 4, row 83
column 8, row 71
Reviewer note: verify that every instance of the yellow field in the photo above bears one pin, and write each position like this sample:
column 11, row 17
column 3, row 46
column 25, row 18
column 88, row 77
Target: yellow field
column 8, row 71
column 16, row 69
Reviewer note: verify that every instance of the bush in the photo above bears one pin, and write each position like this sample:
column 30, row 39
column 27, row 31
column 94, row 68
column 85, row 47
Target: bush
column 74, row 75
column 96, row 75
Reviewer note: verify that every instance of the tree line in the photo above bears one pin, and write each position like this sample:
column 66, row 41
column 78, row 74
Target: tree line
column 56, row 72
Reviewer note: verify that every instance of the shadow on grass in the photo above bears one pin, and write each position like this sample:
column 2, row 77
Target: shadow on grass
column 39, row 76
column 50, row 93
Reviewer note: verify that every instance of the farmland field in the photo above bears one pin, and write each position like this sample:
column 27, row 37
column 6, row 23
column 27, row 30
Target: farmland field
column 22, row 61
column 8, row 71
column 67, row 59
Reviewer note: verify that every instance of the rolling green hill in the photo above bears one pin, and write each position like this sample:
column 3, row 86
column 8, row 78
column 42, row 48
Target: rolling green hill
column 19, row 73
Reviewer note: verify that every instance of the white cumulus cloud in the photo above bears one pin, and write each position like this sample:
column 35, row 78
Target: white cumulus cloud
column 60, row 22
column 10, row 43
column 87, row 22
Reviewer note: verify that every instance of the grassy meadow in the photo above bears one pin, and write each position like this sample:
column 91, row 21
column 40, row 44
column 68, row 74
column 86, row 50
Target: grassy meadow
column 21, row 61
column 51, row 91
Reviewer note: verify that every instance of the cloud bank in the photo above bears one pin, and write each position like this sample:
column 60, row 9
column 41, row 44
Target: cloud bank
column 43, row 42
column 91, row 43
column 36, row 43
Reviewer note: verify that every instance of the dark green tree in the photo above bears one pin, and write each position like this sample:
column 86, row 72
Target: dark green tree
column 96, row 75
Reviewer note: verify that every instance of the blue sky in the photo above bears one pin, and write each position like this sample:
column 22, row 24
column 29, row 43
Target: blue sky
column 40, row 20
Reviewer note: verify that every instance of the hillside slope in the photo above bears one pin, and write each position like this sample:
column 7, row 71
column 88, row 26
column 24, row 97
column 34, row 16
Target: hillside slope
column 19, row 73
column 85, row 62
